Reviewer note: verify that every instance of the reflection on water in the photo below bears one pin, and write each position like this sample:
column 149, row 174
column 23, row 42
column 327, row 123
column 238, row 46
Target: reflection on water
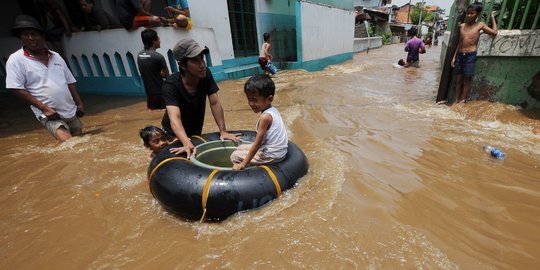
column 395, row 181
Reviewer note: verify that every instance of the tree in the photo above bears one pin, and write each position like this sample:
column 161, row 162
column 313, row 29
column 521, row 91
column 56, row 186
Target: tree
column 415, row 14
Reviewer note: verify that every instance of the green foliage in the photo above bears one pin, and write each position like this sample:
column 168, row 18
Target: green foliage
column 387, row 38
column 371, row 30
column 426, row 16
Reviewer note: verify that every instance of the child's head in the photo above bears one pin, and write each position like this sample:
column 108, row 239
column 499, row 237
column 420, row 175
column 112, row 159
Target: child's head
column 86, row 5
column 401, row 62
column 153, row 138
column 149, row 38
column 266, row 37
column 473, row 10
column 260, row 90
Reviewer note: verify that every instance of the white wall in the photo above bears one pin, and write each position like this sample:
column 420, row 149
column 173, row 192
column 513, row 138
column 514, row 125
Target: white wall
column 363, row 44
column 325, row 31
column 121, row 41
column 214, row 15
column 510, row 43
column 211, row 14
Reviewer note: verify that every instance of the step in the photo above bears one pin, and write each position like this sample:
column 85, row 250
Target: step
column 242, row 71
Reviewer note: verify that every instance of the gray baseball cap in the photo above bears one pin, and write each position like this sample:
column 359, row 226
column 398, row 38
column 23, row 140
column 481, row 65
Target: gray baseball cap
column 188, row 48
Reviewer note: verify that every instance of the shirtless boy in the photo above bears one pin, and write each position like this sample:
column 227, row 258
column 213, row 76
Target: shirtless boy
column 464, row 59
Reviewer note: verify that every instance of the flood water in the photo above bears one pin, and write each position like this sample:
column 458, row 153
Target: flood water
column 395, row 182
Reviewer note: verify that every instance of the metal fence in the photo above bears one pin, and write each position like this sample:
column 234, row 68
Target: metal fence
column 512, row 14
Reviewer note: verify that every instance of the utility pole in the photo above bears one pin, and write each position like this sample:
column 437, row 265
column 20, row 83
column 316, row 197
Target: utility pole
column 420, row 20
column 433, row 31
column 409, row 12
column 446, row 74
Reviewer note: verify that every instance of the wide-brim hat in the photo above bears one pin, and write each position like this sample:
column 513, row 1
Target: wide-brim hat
column 188, row 48
column 26, row 22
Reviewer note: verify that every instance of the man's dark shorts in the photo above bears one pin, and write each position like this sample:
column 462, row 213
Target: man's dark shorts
column 465, row 64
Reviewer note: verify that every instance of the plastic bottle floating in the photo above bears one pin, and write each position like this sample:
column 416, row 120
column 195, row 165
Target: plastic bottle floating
column 494, row 152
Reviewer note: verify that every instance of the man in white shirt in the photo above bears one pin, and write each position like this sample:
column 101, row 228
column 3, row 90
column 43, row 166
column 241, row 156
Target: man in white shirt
column 41, row 78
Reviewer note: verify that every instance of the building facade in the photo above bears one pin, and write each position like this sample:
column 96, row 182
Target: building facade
column 305, row 35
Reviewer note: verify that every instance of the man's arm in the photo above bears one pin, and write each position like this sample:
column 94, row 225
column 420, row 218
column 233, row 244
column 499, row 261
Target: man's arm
column 422, row 48
column 453, row 62
column 264, row 124
column 78, row 101
column 176, row 125
column 164, row 69
column 174, row 10
column 28, row 98
column 164, row 72
column 492, row 31
column 217, row 112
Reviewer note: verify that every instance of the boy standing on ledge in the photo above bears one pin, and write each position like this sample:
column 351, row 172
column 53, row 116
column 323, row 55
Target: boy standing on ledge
column 464, row 59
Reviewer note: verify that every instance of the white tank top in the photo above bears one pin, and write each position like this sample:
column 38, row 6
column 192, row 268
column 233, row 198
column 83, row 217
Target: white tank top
column 275, row 142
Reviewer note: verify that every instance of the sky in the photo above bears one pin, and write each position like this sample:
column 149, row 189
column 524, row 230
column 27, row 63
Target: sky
column 444, row 4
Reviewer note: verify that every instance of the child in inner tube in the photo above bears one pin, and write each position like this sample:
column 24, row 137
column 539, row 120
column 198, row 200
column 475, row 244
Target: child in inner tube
column 155, row 139
column 271, row 141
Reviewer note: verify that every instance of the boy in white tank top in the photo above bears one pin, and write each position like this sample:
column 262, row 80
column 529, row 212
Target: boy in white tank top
column 270, row 144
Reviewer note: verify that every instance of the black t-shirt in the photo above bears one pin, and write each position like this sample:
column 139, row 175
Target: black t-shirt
column 151, row 63
column 126, row 11
column 192, row 108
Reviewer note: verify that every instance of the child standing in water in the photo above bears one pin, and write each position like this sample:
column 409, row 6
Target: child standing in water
column 155, row 139
column 271, row 141
column 464, row 59
column 264, row 54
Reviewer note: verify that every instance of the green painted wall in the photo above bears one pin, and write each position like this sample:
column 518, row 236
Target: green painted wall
column 506, row 80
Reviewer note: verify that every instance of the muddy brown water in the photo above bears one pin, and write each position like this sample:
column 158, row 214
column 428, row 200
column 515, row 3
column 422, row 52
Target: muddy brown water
column 395, row 182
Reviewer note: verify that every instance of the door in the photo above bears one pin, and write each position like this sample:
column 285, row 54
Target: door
column 243, row 27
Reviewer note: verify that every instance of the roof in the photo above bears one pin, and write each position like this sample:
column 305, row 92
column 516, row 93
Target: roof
column 377, row 14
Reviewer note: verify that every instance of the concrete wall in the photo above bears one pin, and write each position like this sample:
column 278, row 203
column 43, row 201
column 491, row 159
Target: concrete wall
column 363, row 44
column 102, row 65
column 279, row 19
column 506, row 67
column 510, row 43
column 507, row 80
column 329, row 37
column 213, row 15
